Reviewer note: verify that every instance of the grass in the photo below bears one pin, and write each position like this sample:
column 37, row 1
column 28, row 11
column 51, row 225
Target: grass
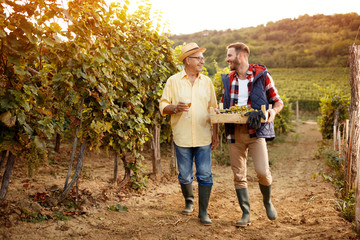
column 308, row 116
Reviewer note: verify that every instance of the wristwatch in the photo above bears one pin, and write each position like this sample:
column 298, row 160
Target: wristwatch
column 175, row 109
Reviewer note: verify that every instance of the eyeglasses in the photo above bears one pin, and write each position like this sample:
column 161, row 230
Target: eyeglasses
column 198, row 58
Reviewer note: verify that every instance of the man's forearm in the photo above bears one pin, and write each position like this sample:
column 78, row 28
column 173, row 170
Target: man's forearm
column 215, row 129
column 277, row 106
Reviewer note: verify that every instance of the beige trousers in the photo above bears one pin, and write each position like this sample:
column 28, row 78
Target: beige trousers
column 238, row 157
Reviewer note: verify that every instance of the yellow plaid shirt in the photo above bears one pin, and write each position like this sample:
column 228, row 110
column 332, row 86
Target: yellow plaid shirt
column 196, row 130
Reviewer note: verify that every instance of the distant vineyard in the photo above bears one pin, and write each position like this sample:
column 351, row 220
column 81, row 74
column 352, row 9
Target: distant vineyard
column 300, row 83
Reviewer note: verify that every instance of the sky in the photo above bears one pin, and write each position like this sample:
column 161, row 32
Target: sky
column 190, row 16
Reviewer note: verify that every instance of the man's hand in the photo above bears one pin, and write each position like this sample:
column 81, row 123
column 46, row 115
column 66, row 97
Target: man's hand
column 277, row 107
column 173, row 109
column 272, row 114
column 182, row 107
column 254, row 120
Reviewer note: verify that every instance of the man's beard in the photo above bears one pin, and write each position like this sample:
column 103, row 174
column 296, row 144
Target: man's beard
column 235, row 64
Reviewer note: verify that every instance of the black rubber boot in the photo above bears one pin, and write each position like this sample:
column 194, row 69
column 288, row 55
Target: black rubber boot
column 204, row 196
column 270, row 210
column 188, row 193
column 243, row 197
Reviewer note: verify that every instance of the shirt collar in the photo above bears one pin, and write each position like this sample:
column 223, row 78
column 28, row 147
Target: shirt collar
column 183, row 74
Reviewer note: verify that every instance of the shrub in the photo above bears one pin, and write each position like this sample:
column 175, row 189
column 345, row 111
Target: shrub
column 332, row 101
column 282, row 121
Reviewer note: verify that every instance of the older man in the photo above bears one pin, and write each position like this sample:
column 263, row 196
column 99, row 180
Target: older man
column 188, row 96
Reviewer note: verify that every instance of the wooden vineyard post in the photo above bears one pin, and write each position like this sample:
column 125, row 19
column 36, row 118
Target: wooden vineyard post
column 345, row 140
column 336, row 123
column 357, row 201
column 297, row 110
column 355, row 117
column 334, row 138
column 348, row 162
column 347, row 130
column 339, row 140
column 156, row 162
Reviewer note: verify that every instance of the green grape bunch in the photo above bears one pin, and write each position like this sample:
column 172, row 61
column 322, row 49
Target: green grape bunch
column 237, row 110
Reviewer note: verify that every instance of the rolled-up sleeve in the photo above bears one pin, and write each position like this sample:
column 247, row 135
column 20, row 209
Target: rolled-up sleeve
column 271, row 91
column 213, row 100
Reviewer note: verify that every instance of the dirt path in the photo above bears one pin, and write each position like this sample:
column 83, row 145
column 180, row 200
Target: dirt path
column 305, row 205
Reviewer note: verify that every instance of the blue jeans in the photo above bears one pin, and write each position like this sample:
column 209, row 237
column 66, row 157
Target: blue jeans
column 202, row 155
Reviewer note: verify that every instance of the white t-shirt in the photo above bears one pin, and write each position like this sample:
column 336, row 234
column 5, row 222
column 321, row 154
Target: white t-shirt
column 243, row 92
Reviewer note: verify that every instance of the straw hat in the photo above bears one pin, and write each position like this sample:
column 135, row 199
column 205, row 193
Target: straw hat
column 189, row 49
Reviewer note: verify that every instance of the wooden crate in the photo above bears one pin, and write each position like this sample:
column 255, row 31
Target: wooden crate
column 233, row 118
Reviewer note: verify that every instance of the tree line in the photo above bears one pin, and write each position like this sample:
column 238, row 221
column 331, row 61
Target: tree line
column 306, row 41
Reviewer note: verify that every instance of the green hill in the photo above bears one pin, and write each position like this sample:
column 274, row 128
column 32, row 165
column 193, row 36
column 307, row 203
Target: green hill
column 306, row 41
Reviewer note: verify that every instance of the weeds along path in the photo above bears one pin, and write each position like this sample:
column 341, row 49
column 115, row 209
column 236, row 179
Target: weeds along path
column 305, row 205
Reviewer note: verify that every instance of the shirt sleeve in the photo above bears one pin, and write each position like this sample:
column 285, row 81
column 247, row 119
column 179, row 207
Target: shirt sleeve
column 271, row 92
column 166, row 98
column 213, row 100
